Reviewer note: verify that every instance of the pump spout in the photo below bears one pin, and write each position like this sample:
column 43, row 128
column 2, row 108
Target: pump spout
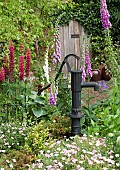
column 90, row 84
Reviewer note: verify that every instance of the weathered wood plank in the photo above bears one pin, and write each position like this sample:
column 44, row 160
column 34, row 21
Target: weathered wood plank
column 75, row 44
column 71, row 44
column 66, row 44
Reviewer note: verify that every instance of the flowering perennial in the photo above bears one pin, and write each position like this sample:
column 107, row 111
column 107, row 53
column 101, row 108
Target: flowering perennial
column 11, row 61
column 57, row 53
column 46, row 66
column 53, row 98
column 88, row 64
column 2, row 74
column 28, row 56
column 83, row 73
column 104, row 15
column 21, row 67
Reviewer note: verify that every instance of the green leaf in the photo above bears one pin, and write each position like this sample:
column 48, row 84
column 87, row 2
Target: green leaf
column 39, row 113
column 39, row 100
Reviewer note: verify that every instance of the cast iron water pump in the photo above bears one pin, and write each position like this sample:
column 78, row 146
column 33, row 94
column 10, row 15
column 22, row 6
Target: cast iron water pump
column 76, row 88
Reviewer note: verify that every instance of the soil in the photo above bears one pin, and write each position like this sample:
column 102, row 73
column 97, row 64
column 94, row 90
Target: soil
column 97, row 95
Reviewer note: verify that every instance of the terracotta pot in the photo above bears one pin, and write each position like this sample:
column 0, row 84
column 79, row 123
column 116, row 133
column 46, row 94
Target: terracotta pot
column 96, row 75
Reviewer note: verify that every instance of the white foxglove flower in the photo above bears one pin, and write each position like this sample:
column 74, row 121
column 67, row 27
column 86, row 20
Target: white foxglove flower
column 46, row 66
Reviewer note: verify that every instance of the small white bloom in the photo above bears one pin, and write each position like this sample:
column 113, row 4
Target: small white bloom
column 14, row 160
column 7, row 161
column 3, row 151
column 116, row 155
column 111, row 135
column 11, row 165
column 60, row 164
column 117, row 164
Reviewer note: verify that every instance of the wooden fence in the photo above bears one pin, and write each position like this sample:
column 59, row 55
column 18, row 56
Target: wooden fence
column 74, row 40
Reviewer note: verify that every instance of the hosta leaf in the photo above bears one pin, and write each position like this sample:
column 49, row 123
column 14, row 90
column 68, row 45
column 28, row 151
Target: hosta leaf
column 39, row 113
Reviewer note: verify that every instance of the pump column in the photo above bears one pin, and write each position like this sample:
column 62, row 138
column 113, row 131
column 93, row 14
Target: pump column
column 76, row 79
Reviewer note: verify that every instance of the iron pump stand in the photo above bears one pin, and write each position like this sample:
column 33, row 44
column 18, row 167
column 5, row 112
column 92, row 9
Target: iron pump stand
column 76, row 88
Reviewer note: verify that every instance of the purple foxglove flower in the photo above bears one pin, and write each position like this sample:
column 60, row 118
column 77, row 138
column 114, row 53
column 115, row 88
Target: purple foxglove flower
column 88, row 64
column 104, row 15
column 83, row 73
column 53, row 98
column 57, row 53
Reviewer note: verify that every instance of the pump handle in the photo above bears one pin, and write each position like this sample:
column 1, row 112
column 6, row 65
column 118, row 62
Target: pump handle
column 60, row 70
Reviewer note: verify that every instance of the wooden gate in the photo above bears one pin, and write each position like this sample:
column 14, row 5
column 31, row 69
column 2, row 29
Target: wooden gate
column 73, row 41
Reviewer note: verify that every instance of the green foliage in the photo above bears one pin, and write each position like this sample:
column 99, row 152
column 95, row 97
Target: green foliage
column 59, row 126
column 64, row 101
column 88, row 110
column 112, row 139
column 36, row 138
column 23, row 25
column 97, row 47
column 13, row 100
column 107, row 113
column 38, row 107
column 110, row 56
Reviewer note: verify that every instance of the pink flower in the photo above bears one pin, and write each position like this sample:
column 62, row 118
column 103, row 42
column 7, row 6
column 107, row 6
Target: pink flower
column 88, row 64
column 21, row 67
column 57, row 54
column 83, row 73
column 2, row 74
column 28, row 56
column 11, row 61
column 104, row 15
column 90, row 162
column 53, row 98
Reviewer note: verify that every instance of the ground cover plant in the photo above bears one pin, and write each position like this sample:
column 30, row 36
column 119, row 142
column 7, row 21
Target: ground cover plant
column 35, row 131
column 79, row 152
